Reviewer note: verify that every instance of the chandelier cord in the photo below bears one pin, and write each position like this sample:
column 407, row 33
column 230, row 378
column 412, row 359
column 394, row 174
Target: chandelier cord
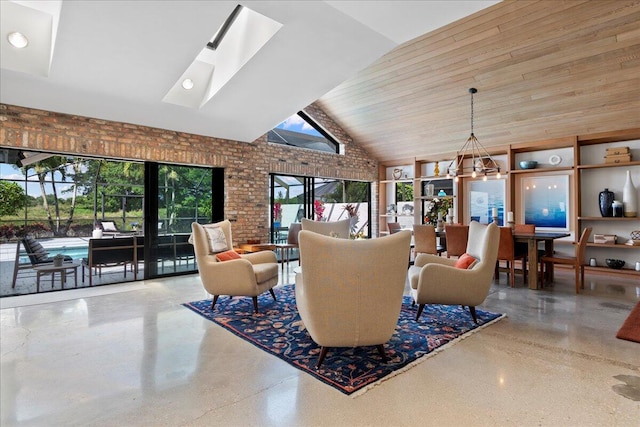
column 471, row 112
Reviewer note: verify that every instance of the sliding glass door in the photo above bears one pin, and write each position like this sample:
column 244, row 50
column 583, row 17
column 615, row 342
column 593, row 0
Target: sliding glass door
column 179, row 195
column 321, row 199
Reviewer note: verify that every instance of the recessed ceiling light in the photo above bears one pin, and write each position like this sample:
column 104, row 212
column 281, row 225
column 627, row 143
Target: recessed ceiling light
column 17, row 40
column 187, row 84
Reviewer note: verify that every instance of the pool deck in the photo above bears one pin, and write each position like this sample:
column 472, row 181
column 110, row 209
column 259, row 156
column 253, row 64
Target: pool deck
column 26, row 281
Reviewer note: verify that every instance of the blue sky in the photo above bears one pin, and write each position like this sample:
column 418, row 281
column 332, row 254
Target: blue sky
column 298, row 124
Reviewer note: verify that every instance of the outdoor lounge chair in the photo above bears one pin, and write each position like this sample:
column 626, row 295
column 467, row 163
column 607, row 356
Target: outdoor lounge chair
column 110, row 252
column 37, row 256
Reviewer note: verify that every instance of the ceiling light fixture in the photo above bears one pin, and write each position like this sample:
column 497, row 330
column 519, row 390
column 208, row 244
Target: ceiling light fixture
column 481, row 160
column 187, row 84
column 17, row 40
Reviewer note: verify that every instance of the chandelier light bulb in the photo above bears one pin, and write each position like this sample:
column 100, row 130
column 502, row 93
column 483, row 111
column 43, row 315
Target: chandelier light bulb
column 484, row 178
column 474, row 174
column 498, row 176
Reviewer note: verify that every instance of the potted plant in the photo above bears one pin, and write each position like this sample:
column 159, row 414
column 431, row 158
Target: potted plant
column 277, row 214
column 435, row 206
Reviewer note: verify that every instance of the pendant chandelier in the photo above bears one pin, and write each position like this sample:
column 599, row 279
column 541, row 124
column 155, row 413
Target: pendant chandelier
column 481, row 161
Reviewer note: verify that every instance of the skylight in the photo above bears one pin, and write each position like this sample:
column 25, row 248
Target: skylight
column 301, row 131
column 238, row 39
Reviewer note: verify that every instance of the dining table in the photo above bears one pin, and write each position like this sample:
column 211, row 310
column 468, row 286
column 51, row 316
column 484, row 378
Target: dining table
column 532, row 240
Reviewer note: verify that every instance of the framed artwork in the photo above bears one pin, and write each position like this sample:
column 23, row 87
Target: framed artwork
column 545, row 201
column 484, row 196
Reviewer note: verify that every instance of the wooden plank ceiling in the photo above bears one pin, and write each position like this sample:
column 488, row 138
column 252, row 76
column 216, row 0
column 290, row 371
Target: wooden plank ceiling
column 543, row 69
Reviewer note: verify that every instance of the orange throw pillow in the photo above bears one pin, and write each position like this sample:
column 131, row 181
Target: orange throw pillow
column 465, row 261
column 227, row 256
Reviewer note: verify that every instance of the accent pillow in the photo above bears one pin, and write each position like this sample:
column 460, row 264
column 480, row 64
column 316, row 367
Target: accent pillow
column 227, row 256
column 109, row 226
column 465, row 261
column 217, row 239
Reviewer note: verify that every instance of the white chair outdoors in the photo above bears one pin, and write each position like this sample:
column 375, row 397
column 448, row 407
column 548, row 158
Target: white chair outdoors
column 435, row 280
column 250, row 275
column 340, row 229
column 349, row 292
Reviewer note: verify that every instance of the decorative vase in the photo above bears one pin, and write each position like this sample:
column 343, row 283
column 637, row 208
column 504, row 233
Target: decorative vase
column 630, row 198
column 606, row 202
column 436, row 169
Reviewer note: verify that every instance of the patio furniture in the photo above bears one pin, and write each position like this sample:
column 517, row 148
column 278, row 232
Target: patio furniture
column 37, row 256
column 109, row 253
column 64, row 270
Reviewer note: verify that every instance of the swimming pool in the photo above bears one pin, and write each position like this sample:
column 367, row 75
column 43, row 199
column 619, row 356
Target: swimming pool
column 75, row 252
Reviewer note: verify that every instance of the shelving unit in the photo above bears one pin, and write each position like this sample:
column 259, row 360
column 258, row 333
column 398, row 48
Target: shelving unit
column 593, row 173
column 387, row 188
column 581, row 158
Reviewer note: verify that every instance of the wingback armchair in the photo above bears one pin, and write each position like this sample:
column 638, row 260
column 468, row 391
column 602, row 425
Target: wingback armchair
column 436, row 280
column 248, row 275
column 349, row 292
column 340, row 229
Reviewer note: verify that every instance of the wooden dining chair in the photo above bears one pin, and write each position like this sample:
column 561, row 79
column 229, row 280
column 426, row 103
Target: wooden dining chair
column 507, row 252
column 425, row 240
column 394, row 227
column 523, row 247
column 577, row 261
column 457, row 236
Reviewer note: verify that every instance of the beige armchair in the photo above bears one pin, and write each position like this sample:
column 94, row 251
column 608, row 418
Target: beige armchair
column 340, row 229
column 349, row 292
column 435, row 280
column 251, row 275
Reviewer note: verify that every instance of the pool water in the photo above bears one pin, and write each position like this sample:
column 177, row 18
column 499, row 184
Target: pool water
column 76, row 252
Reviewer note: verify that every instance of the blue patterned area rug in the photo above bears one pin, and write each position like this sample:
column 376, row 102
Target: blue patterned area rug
column 278, row 330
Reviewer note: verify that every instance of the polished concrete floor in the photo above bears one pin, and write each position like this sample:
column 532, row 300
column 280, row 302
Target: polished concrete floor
column 131, row 355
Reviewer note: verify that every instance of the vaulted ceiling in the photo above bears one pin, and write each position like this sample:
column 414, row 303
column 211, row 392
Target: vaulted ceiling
column 394, row 74
column 543, row 69
column 117, row 60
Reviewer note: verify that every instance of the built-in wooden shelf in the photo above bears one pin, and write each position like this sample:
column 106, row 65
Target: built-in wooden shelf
column 607, row 218
column 609, row 165
column 517, row 171
column 434, row 197
column 616, row 246
column 391, row 181
column 607, row 270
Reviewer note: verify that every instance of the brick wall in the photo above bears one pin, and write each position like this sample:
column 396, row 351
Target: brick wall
column 247, row 166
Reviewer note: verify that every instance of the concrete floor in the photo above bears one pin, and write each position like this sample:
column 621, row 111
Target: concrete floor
column 131, row 355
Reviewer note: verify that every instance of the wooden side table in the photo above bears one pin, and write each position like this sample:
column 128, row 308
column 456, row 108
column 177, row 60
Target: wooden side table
column 63, row 269
column 257, row 247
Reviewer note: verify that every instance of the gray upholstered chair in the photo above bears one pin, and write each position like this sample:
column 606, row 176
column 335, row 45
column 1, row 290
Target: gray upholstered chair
column 340, row 229
column 249, row 275
column 349, row 292
column 435, row 280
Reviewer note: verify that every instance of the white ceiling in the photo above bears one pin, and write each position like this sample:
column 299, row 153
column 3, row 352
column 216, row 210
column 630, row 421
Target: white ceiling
column 116, row 60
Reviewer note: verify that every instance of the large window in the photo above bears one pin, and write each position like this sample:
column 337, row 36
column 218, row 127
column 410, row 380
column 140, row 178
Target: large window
column 65, row 202
column 302, row 131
